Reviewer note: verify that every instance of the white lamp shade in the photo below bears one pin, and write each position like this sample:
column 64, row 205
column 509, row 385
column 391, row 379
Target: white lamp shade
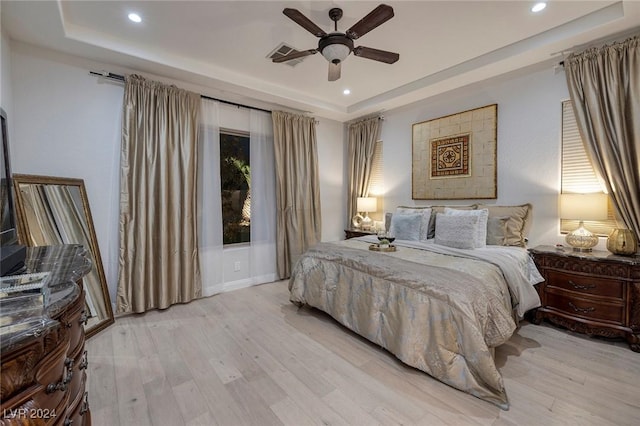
column 583, row 206
column 336, row 52
column 367, row 204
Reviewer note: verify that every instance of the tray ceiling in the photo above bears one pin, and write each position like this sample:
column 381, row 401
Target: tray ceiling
column 224, row 45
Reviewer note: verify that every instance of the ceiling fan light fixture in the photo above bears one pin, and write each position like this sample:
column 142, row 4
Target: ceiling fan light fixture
column 336, row 46
column 336, row 53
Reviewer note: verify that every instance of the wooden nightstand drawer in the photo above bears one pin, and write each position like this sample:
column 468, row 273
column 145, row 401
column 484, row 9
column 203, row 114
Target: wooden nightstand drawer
column 588, row 285
column 586, row 308
column 353, row 233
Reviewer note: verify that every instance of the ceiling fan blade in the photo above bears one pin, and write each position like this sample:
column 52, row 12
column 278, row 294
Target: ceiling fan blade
column 296, row 16
column 334, row 71
column 376, row 17
column 376, row 55
column 295, row 55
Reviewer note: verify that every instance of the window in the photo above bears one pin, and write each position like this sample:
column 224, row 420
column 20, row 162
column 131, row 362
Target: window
column 578, row 175
column 376, row 180
column 235, row 182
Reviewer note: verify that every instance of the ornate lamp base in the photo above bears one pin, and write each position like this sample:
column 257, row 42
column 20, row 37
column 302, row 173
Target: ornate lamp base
column 366, row 223
column 581, row 239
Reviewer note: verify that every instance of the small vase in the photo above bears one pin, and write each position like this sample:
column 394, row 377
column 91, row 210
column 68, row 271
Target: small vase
column 623, row 242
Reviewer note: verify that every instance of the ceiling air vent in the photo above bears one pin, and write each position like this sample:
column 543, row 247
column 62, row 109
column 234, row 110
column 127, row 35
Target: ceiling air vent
column 284, row 49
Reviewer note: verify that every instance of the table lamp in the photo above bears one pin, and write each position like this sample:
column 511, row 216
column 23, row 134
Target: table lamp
column 366, row 205
column 583, row 207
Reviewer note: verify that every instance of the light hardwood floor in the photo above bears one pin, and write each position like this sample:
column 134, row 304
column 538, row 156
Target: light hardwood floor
column 250, row 357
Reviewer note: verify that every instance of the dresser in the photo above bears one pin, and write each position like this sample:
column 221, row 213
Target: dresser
column 595, row 293
column 43, row 364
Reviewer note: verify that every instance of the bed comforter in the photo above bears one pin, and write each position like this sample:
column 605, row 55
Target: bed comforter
column 440, row 313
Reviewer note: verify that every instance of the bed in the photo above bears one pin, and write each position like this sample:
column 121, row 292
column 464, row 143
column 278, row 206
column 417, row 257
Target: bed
column 438, row 308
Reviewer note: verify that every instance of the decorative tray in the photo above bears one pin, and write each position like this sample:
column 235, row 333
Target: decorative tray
column 376, row 247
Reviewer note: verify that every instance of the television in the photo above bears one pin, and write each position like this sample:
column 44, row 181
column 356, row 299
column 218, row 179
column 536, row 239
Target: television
column 12, row 254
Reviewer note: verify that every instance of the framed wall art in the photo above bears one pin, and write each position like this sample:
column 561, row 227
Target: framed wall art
column 454, row 157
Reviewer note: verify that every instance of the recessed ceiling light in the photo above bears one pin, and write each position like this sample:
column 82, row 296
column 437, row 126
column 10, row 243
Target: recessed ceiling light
column 539, row 6
column 346, row 91
column 135, row 17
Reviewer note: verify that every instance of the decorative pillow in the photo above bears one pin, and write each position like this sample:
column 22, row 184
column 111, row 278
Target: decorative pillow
column 497, row 230
column 426, row 217
column 406, row 226
column 480, row 234
column 440, row 209
column 519, row 223
column 456, row 231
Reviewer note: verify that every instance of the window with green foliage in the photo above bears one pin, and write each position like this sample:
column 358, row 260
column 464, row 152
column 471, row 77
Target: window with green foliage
column 235, row 182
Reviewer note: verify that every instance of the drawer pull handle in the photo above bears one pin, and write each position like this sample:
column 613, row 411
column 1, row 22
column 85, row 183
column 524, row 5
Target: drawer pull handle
column 62, row 385
column 582, row 310
column 68, row 422
column 582, row 287
column 85, row 404
column 85, row 361
column 68, row 362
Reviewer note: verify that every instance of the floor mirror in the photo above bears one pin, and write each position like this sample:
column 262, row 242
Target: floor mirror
column 54, row 210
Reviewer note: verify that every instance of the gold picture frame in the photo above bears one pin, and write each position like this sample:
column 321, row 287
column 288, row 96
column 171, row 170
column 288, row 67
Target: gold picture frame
column 454, row 157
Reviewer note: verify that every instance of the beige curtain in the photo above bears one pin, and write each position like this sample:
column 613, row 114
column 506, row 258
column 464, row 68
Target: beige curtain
column 604, row 84
column 159, row 263
column 298, row 222
column 363, row 136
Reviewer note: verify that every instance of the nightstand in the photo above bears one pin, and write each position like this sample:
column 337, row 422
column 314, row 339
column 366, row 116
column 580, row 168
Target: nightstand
column 595, row 293
column 353, row 233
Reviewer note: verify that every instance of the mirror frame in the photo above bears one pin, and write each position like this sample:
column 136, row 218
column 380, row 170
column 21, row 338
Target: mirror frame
column 23, row 232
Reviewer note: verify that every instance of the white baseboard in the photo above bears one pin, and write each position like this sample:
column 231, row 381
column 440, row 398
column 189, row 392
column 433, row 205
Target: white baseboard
column 238, row 284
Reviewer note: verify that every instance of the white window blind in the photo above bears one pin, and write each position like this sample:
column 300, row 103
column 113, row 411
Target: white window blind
column 578, row 175
column 376, row 180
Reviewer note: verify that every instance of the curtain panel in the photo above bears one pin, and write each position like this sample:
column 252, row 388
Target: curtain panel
column 159, row 264
column 217, row 274
column 604, row 85
column 262, row 250
column 298, row 219
column 363, row 136
column 210, row 243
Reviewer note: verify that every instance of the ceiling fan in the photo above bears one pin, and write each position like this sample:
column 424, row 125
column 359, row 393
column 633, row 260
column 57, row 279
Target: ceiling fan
column 336, row 46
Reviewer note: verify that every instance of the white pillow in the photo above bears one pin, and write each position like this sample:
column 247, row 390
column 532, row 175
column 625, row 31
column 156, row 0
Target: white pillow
column 480, row 233
column 424, row 223
column 456, row 230
column 406, row 226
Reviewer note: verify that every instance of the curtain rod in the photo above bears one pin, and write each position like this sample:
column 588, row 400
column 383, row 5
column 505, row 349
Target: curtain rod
column 119, row 77
column 358, row 120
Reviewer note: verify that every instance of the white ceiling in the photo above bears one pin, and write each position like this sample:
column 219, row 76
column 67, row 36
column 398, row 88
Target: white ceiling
column 223, row 44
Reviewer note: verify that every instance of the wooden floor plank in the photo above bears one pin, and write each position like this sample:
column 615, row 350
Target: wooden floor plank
column 162, row 404
column 291, row 414
column 347, row 409
column 130, row 393
column 101, row 383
